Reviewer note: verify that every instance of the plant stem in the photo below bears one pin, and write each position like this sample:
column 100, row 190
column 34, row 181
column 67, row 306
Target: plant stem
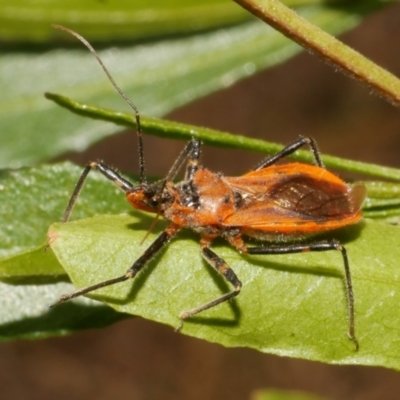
column 325, row 46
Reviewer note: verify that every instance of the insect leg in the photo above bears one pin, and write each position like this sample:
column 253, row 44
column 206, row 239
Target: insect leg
column 223, row 268
column 141, row 262
column 193, row 159
column 107, row 172
column 191, row 152
column 290, row 149
column 320, row 246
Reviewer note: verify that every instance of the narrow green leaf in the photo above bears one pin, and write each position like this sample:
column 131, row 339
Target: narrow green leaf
column 30, row 21
column 292, row 305
column 158, row 78
column 383, row 201
column 175, row 130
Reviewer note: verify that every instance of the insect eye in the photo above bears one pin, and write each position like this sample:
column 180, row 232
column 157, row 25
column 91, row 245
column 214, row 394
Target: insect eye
column 153, row 202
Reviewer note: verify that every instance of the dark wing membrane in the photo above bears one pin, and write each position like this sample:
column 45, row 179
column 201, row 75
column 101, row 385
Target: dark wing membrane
column 312, row 197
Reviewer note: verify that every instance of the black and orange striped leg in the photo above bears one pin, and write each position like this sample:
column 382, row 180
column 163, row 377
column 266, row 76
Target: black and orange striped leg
column 325, row 245
column 290, row 149
column 223, row 268
column 137, row 266
column 108, row 172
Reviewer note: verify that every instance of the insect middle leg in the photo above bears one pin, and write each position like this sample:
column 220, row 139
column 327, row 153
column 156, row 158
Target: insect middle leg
column 325, row 245
column 223, row 268
column 290, row 149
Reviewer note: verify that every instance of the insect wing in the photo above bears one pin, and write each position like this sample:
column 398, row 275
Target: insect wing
column 294, row 198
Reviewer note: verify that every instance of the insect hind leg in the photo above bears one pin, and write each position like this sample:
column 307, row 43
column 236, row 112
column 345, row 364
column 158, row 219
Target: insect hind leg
column 290, row 149
column 223, row 268
column 324, row 245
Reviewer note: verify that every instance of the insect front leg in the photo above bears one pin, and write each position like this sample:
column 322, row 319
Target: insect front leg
column 223, row 268
column 290, row 149
column 137, row 266
column 192, row 153
column 320, row 246
column 193, row 159
column 107, row 172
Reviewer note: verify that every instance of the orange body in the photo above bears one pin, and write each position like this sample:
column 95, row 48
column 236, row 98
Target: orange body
column 269, row 204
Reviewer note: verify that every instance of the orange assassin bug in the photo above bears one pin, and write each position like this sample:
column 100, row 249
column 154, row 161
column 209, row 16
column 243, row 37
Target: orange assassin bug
column 275, row 203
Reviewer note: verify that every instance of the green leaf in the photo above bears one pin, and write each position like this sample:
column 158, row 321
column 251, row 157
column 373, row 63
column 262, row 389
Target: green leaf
column 383, row 201
column 291, row 305
column 33, row 198
column 30, row 200
column 30, row 21
column 25, row 312
column 158, row 78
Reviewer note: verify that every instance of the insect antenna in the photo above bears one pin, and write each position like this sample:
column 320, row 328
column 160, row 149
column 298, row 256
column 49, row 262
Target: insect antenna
column 139, row 132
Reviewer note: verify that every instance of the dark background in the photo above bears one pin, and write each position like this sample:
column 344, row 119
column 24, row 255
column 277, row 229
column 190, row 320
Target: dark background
column 138, row 359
